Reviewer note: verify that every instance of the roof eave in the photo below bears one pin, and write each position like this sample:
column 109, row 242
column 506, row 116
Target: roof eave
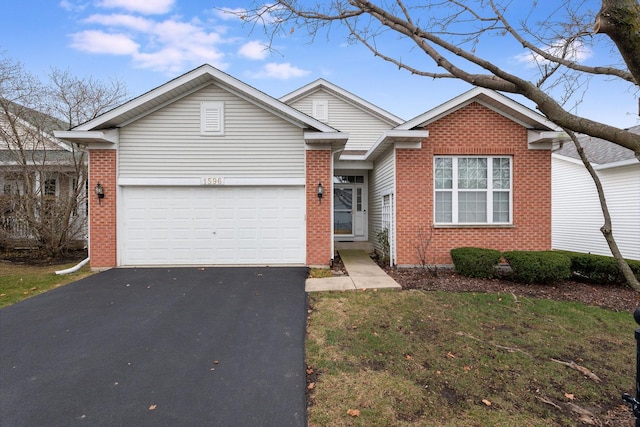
column 398, row 138
column 94, row 139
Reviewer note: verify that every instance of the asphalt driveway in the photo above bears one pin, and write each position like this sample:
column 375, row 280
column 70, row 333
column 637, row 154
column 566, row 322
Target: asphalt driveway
column 158, row 347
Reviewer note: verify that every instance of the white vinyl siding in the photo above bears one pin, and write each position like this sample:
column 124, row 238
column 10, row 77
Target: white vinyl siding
column 577, row 216
column 168, row 143
column 381, row 182
column 363, row 127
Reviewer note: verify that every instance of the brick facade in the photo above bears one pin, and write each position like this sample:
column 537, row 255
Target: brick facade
column 102, row 214
column 472, row 130
column 318, row 169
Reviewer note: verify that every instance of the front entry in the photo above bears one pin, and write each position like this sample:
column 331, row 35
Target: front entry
column 349, row 207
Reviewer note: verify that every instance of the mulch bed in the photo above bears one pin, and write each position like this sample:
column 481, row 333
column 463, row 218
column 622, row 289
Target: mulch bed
column 619, row 298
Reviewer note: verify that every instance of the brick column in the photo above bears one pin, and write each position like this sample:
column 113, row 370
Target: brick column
column 319, row 237
column 102, row 213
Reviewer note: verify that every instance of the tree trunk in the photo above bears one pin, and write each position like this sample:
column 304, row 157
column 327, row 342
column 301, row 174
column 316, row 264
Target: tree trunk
column 620, row 20
column 606, row 229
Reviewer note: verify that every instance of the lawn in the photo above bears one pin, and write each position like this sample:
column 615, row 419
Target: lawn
column 416, row 358
column 19, row 281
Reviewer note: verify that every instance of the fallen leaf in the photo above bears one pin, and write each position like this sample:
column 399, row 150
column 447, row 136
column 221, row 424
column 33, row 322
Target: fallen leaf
column 3, row 295
column 466, row 368
column 451, row 355
column 311, row 386
column 486, row 402
column 408, row 357
column 215, row 362
column 569, row 396
column 153, row 407
column 310, row 371
column 353, row 412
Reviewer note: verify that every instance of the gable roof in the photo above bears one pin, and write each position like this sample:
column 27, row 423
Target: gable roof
column 104, row 127
column 35, row 129
column 491, row 99
column 356, row 101
column 600, row 152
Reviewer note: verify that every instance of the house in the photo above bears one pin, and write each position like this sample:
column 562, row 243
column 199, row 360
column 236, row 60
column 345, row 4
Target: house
column 40, row 177
column 207, row 170
column 577, row 215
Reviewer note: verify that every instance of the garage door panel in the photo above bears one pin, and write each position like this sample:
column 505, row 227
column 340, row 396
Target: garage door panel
column 212, row 225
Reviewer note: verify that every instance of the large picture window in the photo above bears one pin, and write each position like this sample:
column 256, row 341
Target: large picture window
column 472, row 190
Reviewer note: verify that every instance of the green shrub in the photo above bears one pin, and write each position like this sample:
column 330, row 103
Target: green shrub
column 539, row 267
column 475, row 262
column 598, row 268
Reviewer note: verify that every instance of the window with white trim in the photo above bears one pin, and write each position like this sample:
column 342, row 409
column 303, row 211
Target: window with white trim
column 212, row 118
column 472, row 190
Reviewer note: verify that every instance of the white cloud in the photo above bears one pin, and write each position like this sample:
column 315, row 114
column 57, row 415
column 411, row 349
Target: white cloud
column 282, row 71
column 167, row 45
column 577, row 52
column 146, row 7
column 105, row 43
column 254, row 50
column 127, row 21
column 71, row 6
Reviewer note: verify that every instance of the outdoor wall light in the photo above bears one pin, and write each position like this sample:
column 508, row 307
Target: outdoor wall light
column 320, row 191
column 99, row 192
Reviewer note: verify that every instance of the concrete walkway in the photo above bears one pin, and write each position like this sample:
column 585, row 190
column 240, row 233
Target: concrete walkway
column 363, row 274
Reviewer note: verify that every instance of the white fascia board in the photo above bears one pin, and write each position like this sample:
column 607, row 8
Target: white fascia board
column 325, row 138
column 347, row 162
column 598, row 166
column 618, row 164
column 544, row 140
column 476, row 95
column 403, row 138
column 109, row 136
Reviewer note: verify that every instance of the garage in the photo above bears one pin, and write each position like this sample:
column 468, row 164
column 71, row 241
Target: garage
column 207, row 225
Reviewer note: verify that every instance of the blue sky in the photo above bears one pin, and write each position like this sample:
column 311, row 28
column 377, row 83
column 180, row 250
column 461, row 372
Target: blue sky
column 145, row 43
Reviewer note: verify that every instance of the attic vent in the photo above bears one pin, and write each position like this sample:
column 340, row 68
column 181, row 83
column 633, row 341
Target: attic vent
column 321, row 110
column 212, row 118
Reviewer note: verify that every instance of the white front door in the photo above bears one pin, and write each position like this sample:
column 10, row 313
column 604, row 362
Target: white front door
column 350, row 207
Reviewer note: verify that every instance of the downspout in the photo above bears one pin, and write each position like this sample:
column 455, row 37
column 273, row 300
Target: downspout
column 333, row 240
column 74, row 268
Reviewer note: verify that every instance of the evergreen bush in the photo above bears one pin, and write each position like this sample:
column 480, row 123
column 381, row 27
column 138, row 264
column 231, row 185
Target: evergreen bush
column 475, row 262
column 539, row 266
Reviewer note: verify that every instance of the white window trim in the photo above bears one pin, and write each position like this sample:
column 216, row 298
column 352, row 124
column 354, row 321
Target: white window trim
column 489, row 191
column 212, row 107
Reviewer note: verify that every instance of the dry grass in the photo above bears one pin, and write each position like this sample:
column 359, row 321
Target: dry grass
column 20, row 281
column 416, row 358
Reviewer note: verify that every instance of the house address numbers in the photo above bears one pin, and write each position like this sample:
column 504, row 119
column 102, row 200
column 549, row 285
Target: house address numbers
column 212, row 180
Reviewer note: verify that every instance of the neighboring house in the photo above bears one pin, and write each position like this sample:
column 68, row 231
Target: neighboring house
column 207, row 170
column 577, row 215
column 31, row 156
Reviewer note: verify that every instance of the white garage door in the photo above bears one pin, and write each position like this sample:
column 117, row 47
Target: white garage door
column 212, row 225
